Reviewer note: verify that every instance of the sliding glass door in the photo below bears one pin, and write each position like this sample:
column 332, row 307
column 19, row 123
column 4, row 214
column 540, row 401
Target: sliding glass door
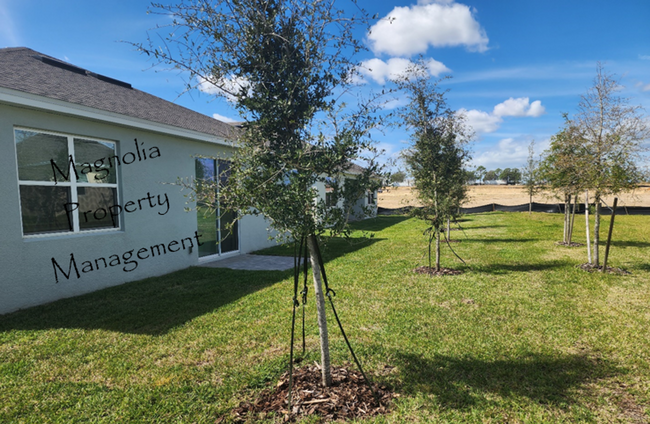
column 219, row 229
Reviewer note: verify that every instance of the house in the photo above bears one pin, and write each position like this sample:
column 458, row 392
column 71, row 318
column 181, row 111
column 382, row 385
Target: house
column 86, row 163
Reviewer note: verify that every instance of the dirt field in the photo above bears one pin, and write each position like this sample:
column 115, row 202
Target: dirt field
column 397, row 197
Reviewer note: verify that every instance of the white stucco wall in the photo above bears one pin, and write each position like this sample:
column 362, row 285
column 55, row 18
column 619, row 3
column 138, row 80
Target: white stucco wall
column 27, row 275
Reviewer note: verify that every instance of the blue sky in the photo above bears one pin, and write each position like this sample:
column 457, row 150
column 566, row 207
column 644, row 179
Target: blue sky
column 516, row 65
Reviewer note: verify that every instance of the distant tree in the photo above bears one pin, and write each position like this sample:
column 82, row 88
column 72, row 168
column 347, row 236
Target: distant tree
column 511, row 175
column 480, row 173
column 397, row 177
column 281, row 63
column 491, row 175
column 470, row 176
column 612, row 133
column 437, row 155
column 503, row 175
column 530, row 176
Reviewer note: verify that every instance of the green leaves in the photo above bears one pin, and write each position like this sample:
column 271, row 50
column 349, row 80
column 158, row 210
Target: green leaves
column 279, row 62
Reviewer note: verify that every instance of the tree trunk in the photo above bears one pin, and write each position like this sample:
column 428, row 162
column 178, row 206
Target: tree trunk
column 431, row 236
column 573, row 218
column 596, row 256
column 567, row 201
column 437, row 249
column 320, row 307
column 587, row 225
column 530, row 204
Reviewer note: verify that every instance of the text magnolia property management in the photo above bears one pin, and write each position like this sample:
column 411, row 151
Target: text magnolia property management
column 100, row 169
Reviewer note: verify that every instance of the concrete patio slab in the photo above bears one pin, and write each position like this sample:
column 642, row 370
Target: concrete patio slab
column 253, row 263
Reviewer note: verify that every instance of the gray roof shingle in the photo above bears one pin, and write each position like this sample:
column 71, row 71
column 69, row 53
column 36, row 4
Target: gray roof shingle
column 26, row 70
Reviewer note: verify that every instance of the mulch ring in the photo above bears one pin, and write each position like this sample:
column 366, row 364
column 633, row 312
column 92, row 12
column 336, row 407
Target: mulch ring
column 610, row 270
column 432, row 271
column 572, row 244
column 348, row 397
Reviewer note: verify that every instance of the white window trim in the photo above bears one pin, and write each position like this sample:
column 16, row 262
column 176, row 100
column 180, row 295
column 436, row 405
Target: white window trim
column 73, row 184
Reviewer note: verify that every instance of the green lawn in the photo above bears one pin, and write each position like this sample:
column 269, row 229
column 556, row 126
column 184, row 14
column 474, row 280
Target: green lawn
column 523, row 336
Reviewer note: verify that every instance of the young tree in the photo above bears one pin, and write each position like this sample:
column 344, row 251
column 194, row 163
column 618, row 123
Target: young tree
column 279, row 62
column 530, row 176
column 563, row 170
column 612, row 133
column 438, row 152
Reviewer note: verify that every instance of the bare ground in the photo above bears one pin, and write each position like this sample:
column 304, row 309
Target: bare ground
column 397, row 197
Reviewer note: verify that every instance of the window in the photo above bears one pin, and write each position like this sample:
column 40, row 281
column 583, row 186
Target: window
column 219, row 231
column 330, row 198
column 68, row 184
column 371, row 197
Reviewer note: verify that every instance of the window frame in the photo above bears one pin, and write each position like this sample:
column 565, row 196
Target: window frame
column 72, row 184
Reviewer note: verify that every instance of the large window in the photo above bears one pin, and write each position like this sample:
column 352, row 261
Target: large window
column 68, row 184
column 219, row 229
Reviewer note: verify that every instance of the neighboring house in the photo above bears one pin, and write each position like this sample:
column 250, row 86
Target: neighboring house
column 110, row 216
column 495, row 182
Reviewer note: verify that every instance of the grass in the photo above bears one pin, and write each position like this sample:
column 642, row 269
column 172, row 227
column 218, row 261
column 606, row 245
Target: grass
column 523, row 336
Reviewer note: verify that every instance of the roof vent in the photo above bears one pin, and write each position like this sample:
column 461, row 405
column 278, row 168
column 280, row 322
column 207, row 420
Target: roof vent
column 62, row 65
column 109, row 80
column 77, row 70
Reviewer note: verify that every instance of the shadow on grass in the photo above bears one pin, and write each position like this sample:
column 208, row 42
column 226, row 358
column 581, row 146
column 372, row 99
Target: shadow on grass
column 481, row 227
column 628, row 243
column 151, row 306
column 331, row 248
column 379, row 223
column 642, row 267
column 156, row 305
column 460, row 383
column 502, row 240
column 505, row 268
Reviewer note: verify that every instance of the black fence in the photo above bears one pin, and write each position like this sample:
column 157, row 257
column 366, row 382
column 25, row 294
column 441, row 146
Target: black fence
column 536, row 207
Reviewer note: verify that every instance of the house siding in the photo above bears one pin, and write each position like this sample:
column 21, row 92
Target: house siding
column 27, row 275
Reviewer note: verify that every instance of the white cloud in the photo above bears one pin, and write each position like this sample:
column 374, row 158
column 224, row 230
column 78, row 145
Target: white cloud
column 519, row 107
column 223, row 88
column 481, row 122
column 508, row 153
column 410, row 30
column 224, row 118
column 644, row 56
column 380, row 71
column 484, row 122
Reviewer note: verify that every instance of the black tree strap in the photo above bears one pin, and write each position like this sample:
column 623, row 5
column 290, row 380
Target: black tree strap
column 453, row 251
column 304, row 291
column 296, row 279
column 461, row 228
column 330, row 295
